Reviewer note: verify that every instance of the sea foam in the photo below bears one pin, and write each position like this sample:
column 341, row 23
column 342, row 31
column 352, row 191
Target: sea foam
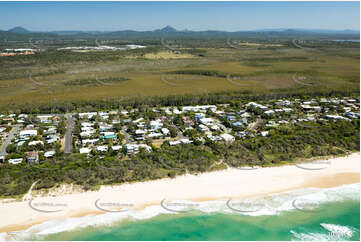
column 270, row 205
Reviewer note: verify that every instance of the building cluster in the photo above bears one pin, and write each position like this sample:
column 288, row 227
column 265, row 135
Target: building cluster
column 131, row 131
column 30, row 138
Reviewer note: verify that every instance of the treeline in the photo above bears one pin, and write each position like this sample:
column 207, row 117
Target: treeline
column 285, row 144
column 175, row 100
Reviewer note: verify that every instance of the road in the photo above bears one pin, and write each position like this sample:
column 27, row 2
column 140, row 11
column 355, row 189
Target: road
column 8, row 140
column 69, row 134
column 127, row 135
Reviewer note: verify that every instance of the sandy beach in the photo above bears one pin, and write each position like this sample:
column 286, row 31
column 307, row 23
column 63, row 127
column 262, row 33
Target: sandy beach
column 230, row 183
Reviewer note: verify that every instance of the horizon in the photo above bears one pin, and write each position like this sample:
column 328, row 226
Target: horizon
column 148, row 16
column 187, row 29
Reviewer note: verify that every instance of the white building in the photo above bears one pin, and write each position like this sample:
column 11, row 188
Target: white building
column 28, row 133
column 227, row 138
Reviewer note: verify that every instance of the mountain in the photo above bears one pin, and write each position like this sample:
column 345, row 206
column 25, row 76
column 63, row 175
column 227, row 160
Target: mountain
column 167, row 29
column 19, row 30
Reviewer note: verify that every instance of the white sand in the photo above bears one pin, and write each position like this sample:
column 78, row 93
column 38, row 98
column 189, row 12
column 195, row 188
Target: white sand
column 231, row 183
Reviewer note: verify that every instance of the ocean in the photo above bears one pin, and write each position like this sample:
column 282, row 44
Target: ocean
column 309, row 214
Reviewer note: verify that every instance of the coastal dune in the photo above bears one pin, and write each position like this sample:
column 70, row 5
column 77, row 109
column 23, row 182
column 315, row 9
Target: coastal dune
column 225, row 184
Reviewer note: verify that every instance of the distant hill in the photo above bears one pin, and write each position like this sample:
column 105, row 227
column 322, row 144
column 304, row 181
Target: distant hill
column 19, row 30
column 167, row 29
column 170, row 32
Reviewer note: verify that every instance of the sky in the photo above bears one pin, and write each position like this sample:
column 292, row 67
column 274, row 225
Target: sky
column 227, row 16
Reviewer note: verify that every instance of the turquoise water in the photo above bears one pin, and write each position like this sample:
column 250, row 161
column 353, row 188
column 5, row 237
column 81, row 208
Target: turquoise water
column 309, row 214
column 342, row 217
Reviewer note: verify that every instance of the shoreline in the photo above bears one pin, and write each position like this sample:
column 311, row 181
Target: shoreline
column 225, row 184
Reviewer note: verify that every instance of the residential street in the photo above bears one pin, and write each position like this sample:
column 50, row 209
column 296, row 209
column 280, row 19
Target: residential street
column 69, row 134
column 8, row 140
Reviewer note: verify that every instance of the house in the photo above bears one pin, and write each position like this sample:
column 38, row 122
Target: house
column 139, row 134
column 134, row 148
column 353, row 115
column 287, row 110
column 88, row 115
column 45, row 119
column 53, row 139
column 264, row 133
column 109, row 135
column 309, row 108
column 245, row 115
column 256, row 105
column 206, row 121
column 199, row 116
column 203, row 128
column 186, row 121
column 28, row 133
column 215, row 127
column 15, row 161
column 269, row 112
column 272, row 124
column 87, row 124
column 105, row 127
column 177, row 142
column 213, row 108
column 89, row 141
column 84, row 150
column 238, row 124
column 36, row 142
column 165, row 131
column 116, row 147
column 185, row 141
column 32, row 157
column 102, row 148
column 227, row 138
column 156, row 124
column 154, row 135
column 49, row 154
column 87, row 133
column 336, row 117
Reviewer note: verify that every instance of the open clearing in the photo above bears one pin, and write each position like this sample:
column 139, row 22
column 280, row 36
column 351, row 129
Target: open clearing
column 255, row 70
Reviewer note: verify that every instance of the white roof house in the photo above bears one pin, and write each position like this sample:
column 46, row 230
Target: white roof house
column 116, row 147
column 102, row 148
column 186, row 141
column 28, row 132
column 199, row 108
column 49, row 154
column 134, row 148
column 89, row 141
column 264, row 133
column 36, row 142
column 269, row 112
column 165, row 131
column 84, row 150
column 87, row 124
column 206, row 121
column 15, row 161
column 256, row 105
column 155, row 135
column 177, row 142
column 88, row 115
column 227, row 137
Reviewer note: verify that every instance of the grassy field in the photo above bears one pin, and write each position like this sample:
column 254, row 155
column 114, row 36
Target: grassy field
column 151, row 72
